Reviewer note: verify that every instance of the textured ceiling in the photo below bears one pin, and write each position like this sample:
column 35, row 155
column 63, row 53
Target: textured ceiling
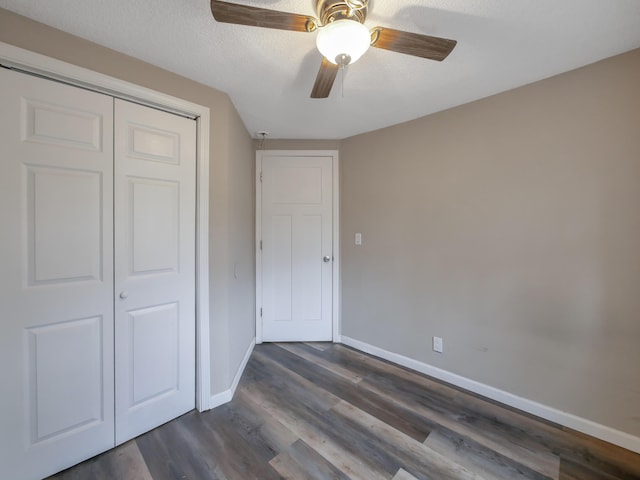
column 502, row 44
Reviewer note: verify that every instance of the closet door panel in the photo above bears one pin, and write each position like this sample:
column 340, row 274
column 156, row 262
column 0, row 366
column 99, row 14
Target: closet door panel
column 154, row 267
column 56, row 300
column 64, row 210
column 154, row 247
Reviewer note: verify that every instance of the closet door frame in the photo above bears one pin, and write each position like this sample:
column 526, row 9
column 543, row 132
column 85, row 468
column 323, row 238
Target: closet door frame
column 31, row 62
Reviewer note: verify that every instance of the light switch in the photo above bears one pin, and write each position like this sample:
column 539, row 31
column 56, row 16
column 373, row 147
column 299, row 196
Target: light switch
column 358, row 239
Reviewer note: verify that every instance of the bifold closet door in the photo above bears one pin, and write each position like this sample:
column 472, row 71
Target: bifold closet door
column 56, row 257
column 97, row 305
column 154, row 267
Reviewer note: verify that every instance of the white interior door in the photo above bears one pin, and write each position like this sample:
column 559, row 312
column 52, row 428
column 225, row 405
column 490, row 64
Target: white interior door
column 56, row 300
column 154, row 267
column 297, row 254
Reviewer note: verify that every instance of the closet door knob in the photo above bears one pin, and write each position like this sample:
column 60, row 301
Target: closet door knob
column 124, row 294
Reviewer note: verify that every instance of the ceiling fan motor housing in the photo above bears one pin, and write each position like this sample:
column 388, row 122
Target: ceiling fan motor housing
column 331, row 10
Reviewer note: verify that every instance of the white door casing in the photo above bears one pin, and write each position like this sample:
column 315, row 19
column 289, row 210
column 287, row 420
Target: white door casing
column 154, row 267
column 296, row 246
column 56, row 345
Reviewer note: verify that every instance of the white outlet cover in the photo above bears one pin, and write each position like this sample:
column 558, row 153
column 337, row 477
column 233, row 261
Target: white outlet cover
column 437, row 344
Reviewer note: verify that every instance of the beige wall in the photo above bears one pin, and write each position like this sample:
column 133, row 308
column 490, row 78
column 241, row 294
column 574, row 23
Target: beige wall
column 231, row 206
column 511, row 228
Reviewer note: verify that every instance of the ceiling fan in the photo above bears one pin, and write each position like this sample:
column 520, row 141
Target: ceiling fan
column 342, row 37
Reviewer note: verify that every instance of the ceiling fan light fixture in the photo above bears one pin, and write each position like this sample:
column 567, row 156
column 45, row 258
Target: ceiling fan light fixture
column 343, row 39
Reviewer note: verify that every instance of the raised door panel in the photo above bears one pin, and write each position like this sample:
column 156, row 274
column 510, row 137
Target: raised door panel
column 154, row 215
column 64, row 222
column 310, row 270
column 65, row 366
column 278, row 298
column 154, row 268
column 153, row 354
column 56, row 346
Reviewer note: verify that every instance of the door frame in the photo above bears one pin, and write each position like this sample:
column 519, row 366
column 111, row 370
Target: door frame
column 35, row 63
column 335, row 310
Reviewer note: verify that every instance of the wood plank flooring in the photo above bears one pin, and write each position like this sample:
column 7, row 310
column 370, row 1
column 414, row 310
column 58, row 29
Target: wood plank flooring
column 324, row 411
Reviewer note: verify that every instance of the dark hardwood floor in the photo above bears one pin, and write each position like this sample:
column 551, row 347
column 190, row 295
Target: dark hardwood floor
column 323, row 411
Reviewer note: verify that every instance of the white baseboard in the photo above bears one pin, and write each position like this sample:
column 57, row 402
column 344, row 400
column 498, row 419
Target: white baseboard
column 608, row 434
column 227, row 395
column 220, row 398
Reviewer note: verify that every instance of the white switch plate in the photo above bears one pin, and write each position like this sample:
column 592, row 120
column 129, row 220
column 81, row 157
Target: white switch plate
column 437, row 344
column 358, row 239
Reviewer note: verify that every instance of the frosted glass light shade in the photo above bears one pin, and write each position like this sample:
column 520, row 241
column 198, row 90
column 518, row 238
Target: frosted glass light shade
column 343, row 37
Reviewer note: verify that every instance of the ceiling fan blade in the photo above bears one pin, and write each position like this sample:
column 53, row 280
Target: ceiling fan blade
column 226, row 12
column 324, row 80
column 433, row 48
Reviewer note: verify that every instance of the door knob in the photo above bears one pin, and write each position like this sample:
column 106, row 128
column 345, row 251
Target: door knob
column 326, row 259
column 124, row 294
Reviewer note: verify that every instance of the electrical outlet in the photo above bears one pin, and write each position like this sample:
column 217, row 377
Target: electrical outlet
column 438, row 345
column 358, row 239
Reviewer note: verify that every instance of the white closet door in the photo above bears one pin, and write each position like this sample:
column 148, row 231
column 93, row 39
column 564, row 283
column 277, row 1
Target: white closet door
column 56, row 300
column 154, row 267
